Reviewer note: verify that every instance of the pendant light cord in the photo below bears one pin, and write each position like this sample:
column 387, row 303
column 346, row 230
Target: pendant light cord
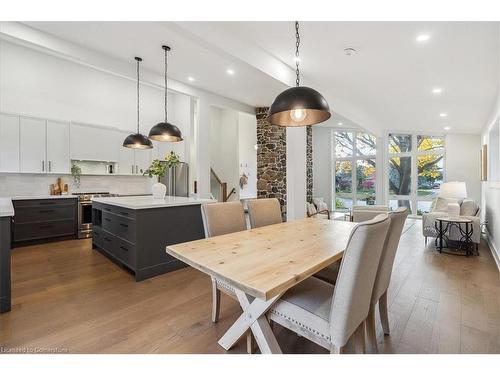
column 166, row 67
column 138, row 61
column 297, row 58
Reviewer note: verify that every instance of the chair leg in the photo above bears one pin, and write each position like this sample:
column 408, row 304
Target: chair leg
column 371, row 334
column 351, row 344
column 249, row 342
column 384, row 317
column 215, row 301
column 360, row 339
column 425, row 241
column 336, row 350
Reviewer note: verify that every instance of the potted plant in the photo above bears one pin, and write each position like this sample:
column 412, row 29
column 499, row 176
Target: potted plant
column 159, row 168
column 76, row 172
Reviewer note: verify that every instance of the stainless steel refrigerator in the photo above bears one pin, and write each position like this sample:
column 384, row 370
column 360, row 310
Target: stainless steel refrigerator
column 177, row 180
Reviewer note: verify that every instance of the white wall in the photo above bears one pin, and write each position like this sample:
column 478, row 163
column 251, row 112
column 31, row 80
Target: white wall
column 491, row 189
column 38, row 84
column 491, row 202
column 322, row 168
column 462, row 162
column 224, row 156
column 247, row 139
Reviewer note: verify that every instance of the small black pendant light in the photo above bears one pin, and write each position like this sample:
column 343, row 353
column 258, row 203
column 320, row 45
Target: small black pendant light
column 164, row 131
column 137, row 140
column 298, row 106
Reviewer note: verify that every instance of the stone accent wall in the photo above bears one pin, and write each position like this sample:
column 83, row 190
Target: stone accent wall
column 309, row 164
column 271, row 159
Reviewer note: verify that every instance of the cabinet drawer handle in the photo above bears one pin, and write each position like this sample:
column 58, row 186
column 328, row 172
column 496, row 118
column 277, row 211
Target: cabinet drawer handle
column 107, row 239
column 107, row 219
column 46, row 211
column 124, row 225
column 46, row 203
column 107, row 209
column 123, row 248
column 123, row 213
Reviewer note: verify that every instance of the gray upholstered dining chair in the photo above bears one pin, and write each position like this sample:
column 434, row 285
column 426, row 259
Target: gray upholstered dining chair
column 219, row 219
column 383, row 278
column 384, row 271
column 264, row 211
column 368, row 212
column 334, row 316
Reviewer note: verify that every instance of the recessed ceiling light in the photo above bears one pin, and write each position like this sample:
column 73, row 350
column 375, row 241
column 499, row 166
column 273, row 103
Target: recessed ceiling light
column 230, row 72
column 447, row 128
column 442, row 114
column 340, row 123
column 190, row 79
column 349, row 51
column 422, row 38
column 437, row 90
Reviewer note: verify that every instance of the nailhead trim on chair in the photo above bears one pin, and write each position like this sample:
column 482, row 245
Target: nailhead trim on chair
column 300, row 324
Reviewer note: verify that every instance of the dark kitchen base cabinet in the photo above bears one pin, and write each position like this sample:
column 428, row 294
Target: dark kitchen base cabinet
column 136, row 239
column 5, row 264
column 42, row 220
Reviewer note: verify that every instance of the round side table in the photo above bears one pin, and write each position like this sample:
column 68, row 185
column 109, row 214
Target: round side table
column 443, row 226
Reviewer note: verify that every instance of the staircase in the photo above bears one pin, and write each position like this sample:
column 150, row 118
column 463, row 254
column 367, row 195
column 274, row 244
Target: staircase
column 218, row 189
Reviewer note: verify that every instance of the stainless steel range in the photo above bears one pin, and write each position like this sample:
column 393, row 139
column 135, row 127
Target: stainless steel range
column 85, row 212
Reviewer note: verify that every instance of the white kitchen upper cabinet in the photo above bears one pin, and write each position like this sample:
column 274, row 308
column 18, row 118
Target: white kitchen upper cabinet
column 32, row 145
column 142, row 160
column 9, row 143
column 93, row 143
column 126, row 162
column 58, row 159
column 111, row 144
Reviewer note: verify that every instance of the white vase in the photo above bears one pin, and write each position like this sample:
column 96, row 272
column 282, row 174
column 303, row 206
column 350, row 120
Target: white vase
column 159, row 190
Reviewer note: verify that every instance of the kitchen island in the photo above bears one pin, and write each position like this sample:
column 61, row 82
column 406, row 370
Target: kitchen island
column 6, row 215
column 134, row 231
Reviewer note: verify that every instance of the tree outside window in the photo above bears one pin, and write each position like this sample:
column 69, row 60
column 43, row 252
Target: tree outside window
column 427, row 157
column 355, row 150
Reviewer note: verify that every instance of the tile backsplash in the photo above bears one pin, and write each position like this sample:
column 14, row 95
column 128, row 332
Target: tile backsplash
column 20, row 184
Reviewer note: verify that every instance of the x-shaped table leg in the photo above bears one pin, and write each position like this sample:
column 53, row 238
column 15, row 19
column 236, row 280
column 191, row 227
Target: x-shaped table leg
column 254, row 318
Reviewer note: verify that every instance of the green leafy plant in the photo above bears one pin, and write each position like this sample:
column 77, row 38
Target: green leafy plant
column 172, row 159
column 159, row 167
column 76, row 172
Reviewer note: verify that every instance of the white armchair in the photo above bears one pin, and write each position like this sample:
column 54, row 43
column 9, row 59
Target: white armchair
column 448, row 207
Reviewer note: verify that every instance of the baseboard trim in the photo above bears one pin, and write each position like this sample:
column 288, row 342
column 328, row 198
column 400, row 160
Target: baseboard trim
column 493, row 251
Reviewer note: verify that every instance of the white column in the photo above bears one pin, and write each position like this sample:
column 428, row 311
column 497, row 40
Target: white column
column 296, row 173
column 203, row 149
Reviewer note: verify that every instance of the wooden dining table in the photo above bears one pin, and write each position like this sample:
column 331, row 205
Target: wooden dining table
column 261, row 264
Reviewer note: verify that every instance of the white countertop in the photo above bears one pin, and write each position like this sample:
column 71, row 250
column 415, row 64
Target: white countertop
column 144, row 202
column 27, row 197
column 6, row 207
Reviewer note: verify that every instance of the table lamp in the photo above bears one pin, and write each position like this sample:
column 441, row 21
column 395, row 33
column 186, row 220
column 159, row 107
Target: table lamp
column 455, row 190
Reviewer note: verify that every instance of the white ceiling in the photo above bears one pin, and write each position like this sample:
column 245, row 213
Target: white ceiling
column 124, row 40
column 386, row 85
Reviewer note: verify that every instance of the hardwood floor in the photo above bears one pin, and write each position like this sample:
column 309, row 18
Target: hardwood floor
column 69, row 298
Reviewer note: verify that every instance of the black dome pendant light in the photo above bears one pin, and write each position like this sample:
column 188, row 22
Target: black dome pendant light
column 300, row 105
column 164, row 131
column 137, row 140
